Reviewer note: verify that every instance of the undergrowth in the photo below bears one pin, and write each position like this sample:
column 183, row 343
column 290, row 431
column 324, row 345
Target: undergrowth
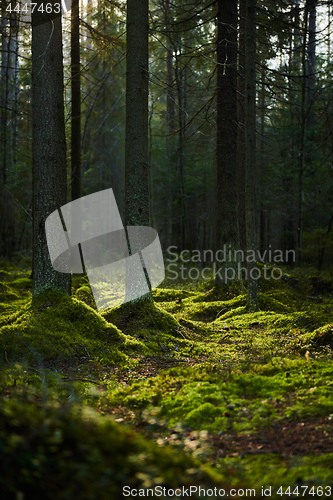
column 155, row 387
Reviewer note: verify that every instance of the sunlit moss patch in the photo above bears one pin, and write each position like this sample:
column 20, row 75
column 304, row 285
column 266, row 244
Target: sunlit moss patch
column 54, row 327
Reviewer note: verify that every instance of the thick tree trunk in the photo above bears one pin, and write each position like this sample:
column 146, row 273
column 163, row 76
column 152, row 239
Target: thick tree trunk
column 136, row 152
column 49, row 144
column 227, row 233
column 4, row 95
column 251, row 183
column 241, row 142
column 136, row 135
column 7, row 215
column 76, row 103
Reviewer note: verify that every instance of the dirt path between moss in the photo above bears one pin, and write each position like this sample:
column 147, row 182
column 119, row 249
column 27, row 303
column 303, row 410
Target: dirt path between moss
column 308, row 437
column 312, row 436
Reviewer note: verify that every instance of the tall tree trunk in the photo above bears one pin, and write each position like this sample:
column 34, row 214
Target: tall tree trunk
column 241, row 142
column 302, row 139
column 251, row 184
column 181, row 83
column 171, row 125
column 76, row 103
column 4, row 94
column 14, row 60
column 262, row 217
column 227, row 233
column 311, row 63
column 7, row 217
column 136, row 134
column 329, row 29
column 49, row 143
column 180, row 75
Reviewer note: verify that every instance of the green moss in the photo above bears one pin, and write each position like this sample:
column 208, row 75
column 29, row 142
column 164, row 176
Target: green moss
column 62, row 451
column 206, row 397
column 14, row 291
column 143, row 316
column 273, row 471
column 56, row 328
column 167, row 294
column 23, row 283
column 238, row 372
column 322, row 336
column 6, row 293
column 84, row 294
column 211, row 310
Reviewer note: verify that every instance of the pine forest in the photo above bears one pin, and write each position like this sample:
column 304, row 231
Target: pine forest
column 166, row 249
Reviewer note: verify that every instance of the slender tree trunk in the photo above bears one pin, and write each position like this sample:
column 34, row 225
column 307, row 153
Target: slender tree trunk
column 329, row 29
column 262, row 217
column 150, row 151
column 227, row 232
column 181, row 94
column 49, row 143
column 136, row 134
column 302, row 140
column 14, row 58
column 311, row 64
column 171, row 126
column 251, row 184
column 76, row 103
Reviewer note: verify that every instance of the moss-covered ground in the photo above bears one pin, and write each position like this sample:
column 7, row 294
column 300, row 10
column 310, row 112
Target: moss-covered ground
column 191, row 389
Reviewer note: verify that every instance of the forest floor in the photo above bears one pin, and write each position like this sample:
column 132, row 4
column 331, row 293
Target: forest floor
column 197, row 390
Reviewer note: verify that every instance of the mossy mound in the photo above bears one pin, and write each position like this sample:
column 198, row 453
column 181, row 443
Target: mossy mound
column 6, row 293
column 23, row 283
column 271, row 301
column 143, row 317
column 64, row 452
column 56, row 328
column 14, row 290
column 212, row 310
column 169, row 294
column 85, row 295
column 223, row 293
column 322, row 336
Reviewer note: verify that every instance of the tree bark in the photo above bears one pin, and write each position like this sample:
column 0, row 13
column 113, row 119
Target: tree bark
column 302, row 140
column 251, row 183
column 136, row 133
column 311, row 63
column 49, row 144
column 227, row 232
column 241, row 142
column 171, row 125
column 76, row 103
column 4, row 94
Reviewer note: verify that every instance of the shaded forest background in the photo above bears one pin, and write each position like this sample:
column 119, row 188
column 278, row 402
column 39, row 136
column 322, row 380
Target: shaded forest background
column 293, row 121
